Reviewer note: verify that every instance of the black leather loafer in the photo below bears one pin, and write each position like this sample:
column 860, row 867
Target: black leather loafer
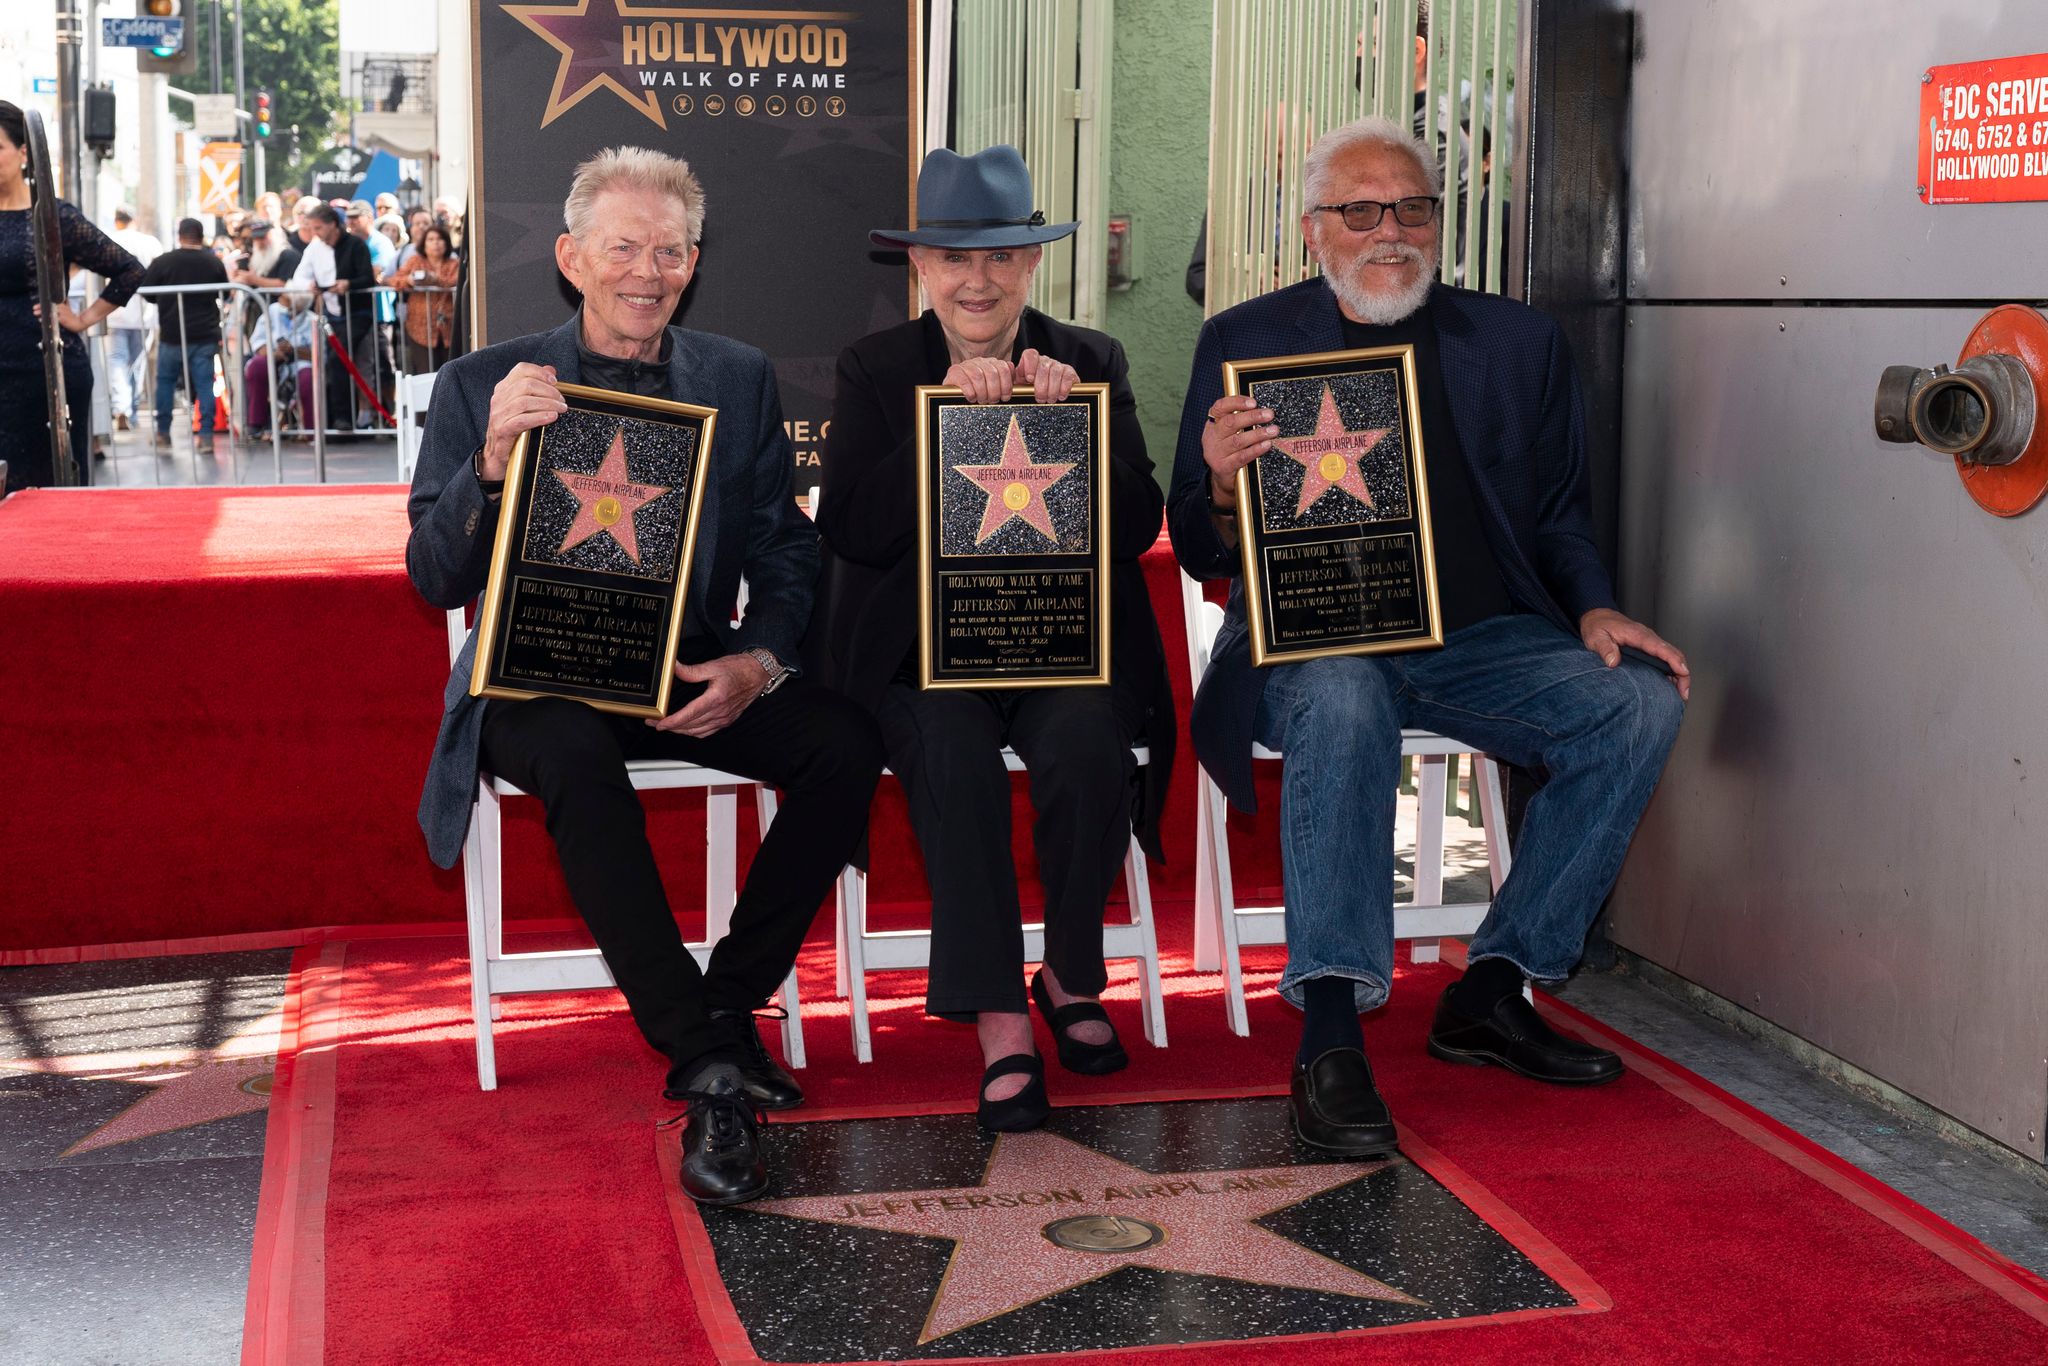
column 1025, row 1110
column 1337, row 1109
column 1514, row 1036
column 771, row 1087
column 1089, row 1059
column 722, row 1162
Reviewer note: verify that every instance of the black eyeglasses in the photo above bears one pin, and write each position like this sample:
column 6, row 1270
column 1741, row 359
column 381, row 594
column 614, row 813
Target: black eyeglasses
column 1363, row 215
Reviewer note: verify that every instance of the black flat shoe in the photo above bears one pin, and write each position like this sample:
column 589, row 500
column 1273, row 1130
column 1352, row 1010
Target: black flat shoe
column 1514, row 1036
column 1089, row 1059
column 1025, row 1110
column 1336, row 1108
column 722, row 1161
column 739, row 1033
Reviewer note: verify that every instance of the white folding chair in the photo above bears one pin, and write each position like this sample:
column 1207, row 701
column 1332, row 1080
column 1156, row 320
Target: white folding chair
column 494, row 973
column 414, row 391
column 1222, row 927
column 862, row 951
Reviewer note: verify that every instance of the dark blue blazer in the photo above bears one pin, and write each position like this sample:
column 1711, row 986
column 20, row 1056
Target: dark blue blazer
column 1514, row 399
column 749, row 524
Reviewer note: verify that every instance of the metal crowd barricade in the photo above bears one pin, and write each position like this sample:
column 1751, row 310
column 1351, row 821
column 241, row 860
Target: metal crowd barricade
column 233, row 343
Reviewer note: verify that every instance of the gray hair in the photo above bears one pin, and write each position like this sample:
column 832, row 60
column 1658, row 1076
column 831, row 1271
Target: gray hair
column 1371, row 131
column 632, row 168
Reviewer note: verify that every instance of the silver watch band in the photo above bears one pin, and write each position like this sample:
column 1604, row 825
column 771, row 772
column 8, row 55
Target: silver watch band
column 772, row 666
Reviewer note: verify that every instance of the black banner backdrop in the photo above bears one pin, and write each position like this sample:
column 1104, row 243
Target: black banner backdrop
column 802, row 125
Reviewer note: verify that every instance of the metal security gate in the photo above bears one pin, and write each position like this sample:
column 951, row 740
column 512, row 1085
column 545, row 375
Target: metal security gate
column 1284, row 71
column 1035, row 74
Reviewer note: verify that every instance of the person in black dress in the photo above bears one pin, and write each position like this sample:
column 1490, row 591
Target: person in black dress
column 975, row 249
column 24, row 402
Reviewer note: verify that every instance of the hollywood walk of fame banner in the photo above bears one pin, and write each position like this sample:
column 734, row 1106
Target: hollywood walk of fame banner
column 1013, row 540
column 799, row 120
column 590, row 574
column 1333, row 521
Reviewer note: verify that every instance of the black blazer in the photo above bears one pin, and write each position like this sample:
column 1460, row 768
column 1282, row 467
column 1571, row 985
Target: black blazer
column 866, row 615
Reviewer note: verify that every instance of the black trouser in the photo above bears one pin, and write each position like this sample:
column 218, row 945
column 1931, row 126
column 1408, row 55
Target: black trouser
column 945, row 748
column 819, row 748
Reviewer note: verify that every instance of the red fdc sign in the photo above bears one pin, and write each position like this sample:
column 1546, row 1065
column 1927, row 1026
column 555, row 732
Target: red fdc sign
column 1984, row 131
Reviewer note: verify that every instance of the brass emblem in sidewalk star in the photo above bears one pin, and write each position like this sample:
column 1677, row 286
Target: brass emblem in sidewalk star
column 1114, row 1227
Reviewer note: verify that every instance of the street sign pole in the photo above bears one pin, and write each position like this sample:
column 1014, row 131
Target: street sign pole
column 70, row 100
column 253, row 173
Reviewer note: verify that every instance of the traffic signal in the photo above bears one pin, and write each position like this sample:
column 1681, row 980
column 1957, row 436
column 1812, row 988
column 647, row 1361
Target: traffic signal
column 172, row 59
column 263, row 113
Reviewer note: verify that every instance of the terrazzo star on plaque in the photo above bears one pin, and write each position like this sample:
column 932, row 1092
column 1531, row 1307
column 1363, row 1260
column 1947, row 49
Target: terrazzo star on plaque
column 1051, row 1214
column 1015, row 487
column 606, row 501
column 1329, row 456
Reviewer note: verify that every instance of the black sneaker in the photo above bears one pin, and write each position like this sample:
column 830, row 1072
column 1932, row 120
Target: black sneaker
column 722, row 1162
column 767, row 1083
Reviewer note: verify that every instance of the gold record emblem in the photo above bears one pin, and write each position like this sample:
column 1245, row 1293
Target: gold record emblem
column 1104, row 1233
column 743, row 106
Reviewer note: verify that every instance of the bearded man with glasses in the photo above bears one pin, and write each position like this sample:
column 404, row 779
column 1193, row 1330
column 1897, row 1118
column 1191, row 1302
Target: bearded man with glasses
column 1537, row 667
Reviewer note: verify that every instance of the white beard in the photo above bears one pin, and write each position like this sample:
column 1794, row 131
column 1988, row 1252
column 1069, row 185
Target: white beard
column 1381, row 307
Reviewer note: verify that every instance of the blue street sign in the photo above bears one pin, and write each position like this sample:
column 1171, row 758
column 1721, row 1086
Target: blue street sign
column 141, row 31
column 43, row 85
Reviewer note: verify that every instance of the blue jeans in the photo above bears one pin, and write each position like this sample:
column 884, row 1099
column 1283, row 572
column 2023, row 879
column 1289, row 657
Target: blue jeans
column 1516, row 687
column 127, row 352
column 194, row 364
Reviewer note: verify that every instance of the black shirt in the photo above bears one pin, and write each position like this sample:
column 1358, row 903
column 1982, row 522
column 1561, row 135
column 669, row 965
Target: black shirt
column 201, row 311
column 1468, row 581
column 647, row 378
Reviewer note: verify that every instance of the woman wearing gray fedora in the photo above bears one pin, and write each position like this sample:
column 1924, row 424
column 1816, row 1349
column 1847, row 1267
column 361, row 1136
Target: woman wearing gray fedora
column 975, row 247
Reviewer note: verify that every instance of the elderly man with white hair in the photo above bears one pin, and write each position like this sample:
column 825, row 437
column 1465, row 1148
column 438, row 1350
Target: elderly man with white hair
column 1537, row 666
column 634, row 220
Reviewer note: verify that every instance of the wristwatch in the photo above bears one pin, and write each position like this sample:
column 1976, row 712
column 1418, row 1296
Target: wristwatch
column 772, row 666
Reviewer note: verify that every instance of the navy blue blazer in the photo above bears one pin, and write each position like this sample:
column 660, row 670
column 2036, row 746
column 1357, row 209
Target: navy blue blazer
column 1514, row 398
column 749, row 523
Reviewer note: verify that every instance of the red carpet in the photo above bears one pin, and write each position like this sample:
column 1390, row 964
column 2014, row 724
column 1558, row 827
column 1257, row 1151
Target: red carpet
column 223, row 701
column 407, row 1216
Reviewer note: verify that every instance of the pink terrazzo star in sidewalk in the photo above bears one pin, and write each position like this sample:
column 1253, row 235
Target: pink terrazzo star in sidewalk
column 187, row 1086
column 1051, row 1214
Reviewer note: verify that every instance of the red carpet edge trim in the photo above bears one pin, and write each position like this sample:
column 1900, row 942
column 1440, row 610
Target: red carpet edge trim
column 313, row 935
column 728, row 1336
column 284, row 1321
column 1990, row 1268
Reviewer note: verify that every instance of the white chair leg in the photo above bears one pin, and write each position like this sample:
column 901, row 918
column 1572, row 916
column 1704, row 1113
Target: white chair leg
column 1493, row 817
column 473, row 855
column 1226, row 917
column 721, row 859
column 792, row 1023
column 1207, row 958
column 1431, row 771
column 489, row 816
column 853, row 902
column 839, row 982
column 1151, row 992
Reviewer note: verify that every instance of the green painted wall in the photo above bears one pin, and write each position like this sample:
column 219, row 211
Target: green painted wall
column 1158, row 174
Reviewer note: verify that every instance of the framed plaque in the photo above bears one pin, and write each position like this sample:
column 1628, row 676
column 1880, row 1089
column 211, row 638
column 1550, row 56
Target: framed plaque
column 1012, row 540
column 1333, row 521
column 590, row 574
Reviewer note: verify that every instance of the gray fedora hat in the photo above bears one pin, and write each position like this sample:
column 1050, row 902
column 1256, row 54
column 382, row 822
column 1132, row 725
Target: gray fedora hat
column 980, row 201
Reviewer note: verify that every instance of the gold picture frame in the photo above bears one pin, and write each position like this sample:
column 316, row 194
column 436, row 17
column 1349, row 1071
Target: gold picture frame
column 1023, row 600
column 597, row 617
column 1351, row 568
